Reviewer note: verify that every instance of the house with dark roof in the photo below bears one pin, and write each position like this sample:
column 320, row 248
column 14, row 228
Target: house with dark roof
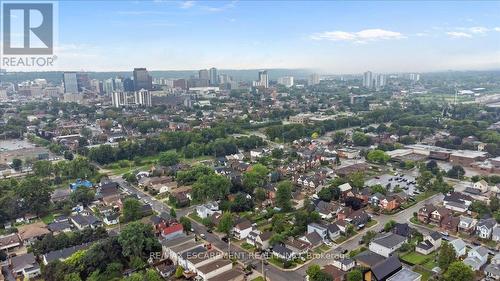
column 283, row 252
column 344, row 264
column 402, row 229
column 430, row 243
column 386, row 244
column 313, row 238
column 368, row 258
column 59, row 227
column 484, row 228
column 63, row 254
column 82, row 222
column 384, row 270
column 457, row 201
column 24, row 266
column 242, row 229
column 476, row 257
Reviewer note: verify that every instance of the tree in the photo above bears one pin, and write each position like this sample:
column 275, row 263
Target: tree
column 17, row 164
column 389, row 225
column 279, row 223
column 168, row 158
column 226, row 223
column 256, row 177
column 173, row 213
column 179, row 272
column 260, row 194
column 68, row 155
column 494, row 203
column 315, row 274
column 186, row 223
column 35, row 195
column 456, row 172
column 355, row 275
column 360, row 139
column 432, row 166
column 357, row 179
column 424, row 180
column 82, row 195
column 284, row 196
column 211, row 187
column 325, row 194
column 131, row 209
column 378, row 188
column 367, row 238
column 458, row 271
column 446, row 255
column 43, row 168
column 138, row 240
column 378, row 156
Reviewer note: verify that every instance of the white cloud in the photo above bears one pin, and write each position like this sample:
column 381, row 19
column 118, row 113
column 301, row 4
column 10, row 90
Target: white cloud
column 497, row 29
column 227, row 6
column 478, row 29
column 362, row 36
column 187, row 4
column 456, row 34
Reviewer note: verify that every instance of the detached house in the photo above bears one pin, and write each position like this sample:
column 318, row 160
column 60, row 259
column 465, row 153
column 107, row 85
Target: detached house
column 477, row 257
column 482, row 186
column 425, row 212
column 457, row 202
column 459, row 246
column 439, row 214
column 386, row 244
column 431, row 243
column 467, row 224
column 242, row 229
column 259, row 239
column 484, row 228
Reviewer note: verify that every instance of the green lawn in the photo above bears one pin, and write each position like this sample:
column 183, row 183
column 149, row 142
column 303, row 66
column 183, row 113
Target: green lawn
column 371, row 223
column 247, row 247
column 48, row 218
column 260, row 278
column 425, row 273
column 195, row 217
column 424, row 195
column 416, row 258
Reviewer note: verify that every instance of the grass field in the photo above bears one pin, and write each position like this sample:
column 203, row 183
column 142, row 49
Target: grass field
column 416, row 258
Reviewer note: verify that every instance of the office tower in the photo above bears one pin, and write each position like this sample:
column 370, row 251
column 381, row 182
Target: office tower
column 313, row 79
column 263, row 80
column 70, row 82
column 83, row 81
column 368, row 79
column 143, row 98
column 286, row 81
column 109, row 86
column 380, row 81
column 224, row 78
column 180, row 83
column 203, row 74
column 214, row 78
column 128, row 84
column 119, row 85
column 142, row 79
column 95, row 85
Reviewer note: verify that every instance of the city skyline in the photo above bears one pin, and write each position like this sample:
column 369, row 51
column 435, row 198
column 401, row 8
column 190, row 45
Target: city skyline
column 172, row 35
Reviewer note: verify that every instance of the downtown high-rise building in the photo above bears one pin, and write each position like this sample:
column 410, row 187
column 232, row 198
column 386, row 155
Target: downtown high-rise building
column 143, row 98
column 119, row 99
column 368, row 79
column 96, row 86
column 213, row 76
column 286, row 81
column 313, row 79
column 70, row 82
column 380, row 81
column 263, row 80
column 82, row 81
column 119, row 85
column 142, row 79
column 203, row 74
column 108, row 86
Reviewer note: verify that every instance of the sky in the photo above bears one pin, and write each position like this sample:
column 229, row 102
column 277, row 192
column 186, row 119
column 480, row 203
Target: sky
column 328, row 36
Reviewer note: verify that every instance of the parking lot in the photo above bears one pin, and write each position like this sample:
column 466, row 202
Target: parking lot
column 405, row 182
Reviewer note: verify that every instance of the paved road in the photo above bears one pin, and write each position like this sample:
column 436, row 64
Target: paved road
column 156, row 204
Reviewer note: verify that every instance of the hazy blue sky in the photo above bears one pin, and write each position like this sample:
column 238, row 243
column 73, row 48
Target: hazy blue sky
column 335, row 37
